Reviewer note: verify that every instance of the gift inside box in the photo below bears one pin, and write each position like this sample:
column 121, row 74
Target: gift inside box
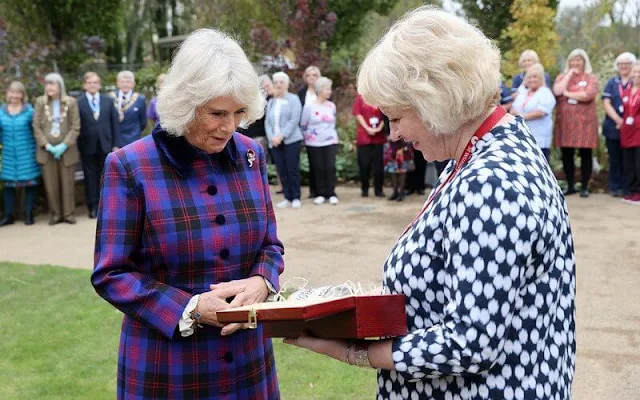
column 351, row 317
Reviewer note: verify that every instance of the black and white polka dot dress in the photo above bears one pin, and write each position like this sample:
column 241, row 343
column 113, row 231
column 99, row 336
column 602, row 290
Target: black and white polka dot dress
column 488, row 273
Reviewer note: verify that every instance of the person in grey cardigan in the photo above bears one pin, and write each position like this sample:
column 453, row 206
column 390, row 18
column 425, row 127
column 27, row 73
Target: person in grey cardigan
column 284, row 137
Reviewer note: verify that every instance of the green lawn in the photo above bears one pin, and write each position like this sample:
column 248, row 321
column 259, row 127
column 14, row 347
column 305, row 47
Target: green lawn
column 59, row 340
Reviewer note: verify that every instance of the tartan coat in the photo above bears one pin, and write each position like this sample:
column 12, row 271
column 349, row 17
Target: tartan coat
column 172, row 220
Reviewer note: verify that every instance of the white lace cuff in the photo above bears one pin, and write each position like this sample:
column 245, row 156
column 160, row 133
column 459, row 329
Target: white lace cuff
column 186, row 323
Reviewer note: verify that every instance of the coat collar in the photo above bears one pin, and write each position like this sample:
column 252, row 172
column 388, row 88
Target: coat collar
column 181, row 153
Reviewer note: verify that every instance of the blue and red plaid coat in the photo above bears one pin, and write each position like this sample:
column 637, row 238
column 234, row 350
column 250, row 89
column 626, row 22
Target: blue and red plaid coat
column 172, row 221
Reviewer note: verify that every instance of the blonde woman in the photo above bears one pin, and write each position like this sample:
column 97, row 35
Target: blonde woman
column 536, row 106
column 308, row 93
column 19, row 167
column 576, row 125
column 527, row 59
column 56, row 126
column 491, row 243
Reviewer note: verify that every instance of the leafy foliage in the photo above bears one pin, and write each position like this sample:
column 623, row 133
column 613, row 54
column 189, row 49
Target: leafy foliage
column 532, row 28
column 491, row 16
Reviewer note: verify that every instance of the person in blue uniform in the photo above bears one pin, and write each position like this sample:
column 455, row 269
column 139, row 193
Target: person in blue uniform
column 131, row 106
column 616, row 95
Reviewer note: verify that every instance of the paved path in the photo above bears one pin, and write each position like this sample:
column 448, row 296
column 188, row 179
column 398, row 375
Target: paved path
column 328, row 244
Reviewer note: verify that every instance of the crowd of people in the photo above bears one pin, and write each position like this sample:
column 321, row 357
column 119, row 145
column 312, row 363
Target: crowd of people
column 47, row 140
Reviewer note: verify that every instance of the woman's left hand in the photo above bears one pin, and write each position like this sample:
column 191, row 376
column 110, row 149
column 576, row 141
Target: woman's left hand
column 250, row 291
column 336, row 349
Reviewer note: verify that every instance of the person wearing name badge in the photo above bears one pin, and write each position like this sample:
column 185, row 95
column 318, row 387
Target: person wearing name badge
column 630, row 140
column 186, row 228
column 131, row 107
column 536, row 108
column 487, row 267
column 615, row 97
column 307, row 95
column 18, row 168
column 99, row 135
column 576, row 125
column 527, row 59
column 284, row 136
column 56, row 126
column 370, row 140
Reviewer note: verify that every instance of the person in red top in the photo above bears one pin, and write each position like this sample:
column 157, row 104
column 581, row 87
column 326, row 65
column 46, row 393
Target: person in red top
column 370, row 139
column 630, row 140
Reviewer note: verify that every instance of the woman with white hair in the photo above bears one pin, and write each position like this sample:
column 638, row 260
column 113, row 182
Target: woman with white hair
column 491, row 253
column 576, row 125
column 536, row 106
column 186, row 229
column 318, row 124
column 282, row 124
column 527, row 59
column 256, row 130
column 615, row 98
column 56, row 126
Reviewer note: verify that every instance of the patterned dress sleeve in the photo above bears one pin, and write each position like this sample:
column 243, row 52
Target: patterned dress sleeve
column 269, row 263
column 488, row 238
column 593, row 87
column 116, row 278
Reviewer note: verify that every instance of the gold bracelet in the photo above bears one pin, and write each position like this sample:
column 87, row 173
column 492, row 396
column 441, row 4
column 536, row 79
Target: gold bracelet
column 362, row 357
column 349, row 344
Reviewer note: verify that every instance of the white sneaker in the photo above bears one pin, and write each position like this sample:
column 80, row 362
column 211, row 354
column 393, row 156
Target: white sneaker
column 333, row 200
column 318, row 200
column 283, row 204
column 296, row 204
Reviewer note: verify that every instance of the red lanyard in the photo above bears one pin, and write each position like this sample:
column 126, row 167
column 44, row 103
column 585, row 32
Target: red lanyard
column 634, row 99
column 484, row 128
column 624, row 89
column 526, row 100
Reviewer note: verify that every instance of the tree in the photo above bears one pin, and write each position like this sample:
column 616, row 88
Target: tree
column 532, row 28
column 61, row 24
column 492, row 17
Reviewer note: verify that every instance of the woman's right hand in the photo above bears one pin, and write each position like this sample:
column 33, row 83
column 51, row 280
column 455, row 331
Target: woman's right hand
column 213, row 301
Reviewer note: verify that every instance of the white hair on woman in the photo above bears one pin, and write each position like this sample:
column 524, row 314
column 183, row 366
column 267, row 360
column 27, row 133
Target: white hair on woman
column 322, row 83
column 528, row 54
column 626, row 56
column 209, row 64
column 435, row 63
column 282, row 76
column 536, row 70
column 578, row 53
column 264, row 79
column 54, row 77
column 127, row 75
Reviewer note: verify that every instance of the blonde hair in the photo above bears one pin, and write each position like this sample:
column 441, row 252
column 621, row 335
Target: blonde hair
column 54, row 77
column 209, row 64
column 536, row 69
column 528, row 54
column 18, row 87
column 309, row 69
column 436, row 63
column 626, row 56
column 578, row 53
column 88, row 75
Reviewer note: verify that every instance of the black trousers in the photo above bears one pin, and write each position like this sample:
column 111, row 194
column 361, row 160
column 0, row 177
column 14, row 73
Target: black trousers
column 631, row 157
column 616, row 166
column 586, row 161
column 323, row 164
column 93, row 166
column 313, row 190
column 287, row 159
column 370, row 157
column 415, row 178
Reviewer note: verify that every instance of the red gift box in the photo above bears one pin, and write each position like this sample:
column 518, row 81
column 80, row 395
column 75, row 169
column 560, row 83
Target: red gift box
column 352, row 317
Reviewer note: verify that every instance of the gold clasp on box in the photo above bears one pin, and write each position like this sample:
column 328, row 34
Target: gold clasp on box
column 253, row 319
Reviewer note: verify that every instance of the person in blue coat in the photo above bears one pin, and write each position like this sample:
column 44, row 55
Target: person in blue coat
column 131, row 106
column 19, row 167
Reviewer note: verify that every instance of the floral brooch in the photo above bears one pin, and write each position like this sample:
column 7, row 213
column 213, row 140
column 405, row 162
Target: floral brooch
column 251, row 157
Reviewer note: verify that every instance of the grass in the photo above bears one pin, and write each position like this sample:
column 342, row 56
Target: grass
column 59, row 340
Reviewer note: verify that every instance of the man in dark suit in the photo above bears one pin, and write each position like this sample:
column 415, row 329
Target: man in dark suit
column 99, row 135
column 132, row 108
